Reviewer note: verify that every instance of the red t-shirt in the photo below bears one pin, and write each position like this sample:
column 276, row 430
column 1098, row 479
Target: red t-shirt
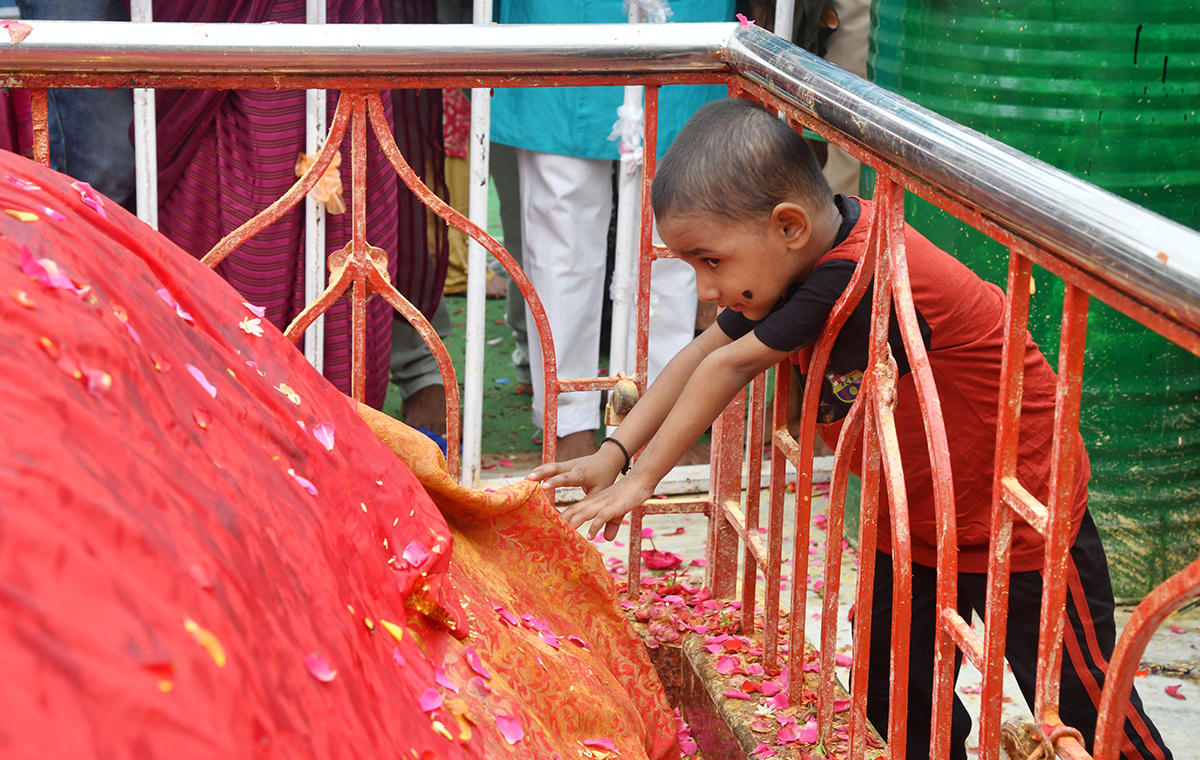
column 961, row 319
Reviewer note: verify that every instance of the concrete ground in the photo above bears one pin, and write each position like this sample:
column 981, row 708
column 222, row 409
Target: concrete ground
column 1172, row 657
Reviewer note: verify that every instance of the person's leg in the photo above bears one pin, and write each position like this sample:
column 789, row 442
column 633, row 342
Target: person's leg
column 503, row 159
column 920, row 662
column 89, row 129
column 1088, row 644
column 566, row 204
column 415, row 372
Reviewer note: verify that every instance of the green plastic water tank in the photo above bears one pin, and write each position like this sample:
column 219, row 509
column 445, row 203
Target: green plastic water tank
column 1109, row 92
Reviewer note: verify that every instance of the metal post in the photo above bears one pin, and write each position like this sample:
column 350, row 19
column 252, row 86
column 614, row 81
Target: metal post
column 481, row 113
column 145, row 143
column 629, row 198
column 785, row 18
column 314, row 212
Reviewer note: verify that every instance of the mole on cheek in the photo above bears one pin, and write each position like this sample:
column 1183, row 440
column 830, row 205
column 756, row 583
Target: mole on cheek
column 747, row 294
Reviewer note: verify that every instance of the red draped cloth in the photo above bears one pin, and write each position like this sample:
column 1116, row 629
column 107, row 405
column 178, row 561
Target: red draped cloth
column 205, row 551
column 225, row 155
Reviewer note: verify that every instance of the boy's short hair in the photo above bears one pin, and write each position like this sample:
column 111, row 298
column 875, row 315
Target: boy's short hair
column 736, row 160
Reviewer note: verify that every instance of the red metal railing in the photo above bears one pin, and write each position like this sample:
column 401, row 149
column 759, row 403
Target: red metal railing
column 359, row 272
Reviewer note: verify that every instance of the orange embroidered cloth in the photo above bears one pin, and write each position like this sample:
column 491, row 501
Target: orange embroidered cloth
column 204, row 551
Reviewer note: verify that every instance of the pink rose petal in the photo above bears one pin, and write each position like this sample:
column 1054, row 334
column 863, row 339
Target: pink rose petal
column 443, row 680
column 506, row 463
column 318, row 666
column 647, row 532
column 687, row 745
column 17, row 31
column 735, row 694
column 1177, row 629
column 305, row 483
column 415, row 553
column 324, row 435
column 843, row 660
column 506, row 616
column 841, row 705
column 47, row 272
column 578, row 642
column 165, row 295
column 481, row 686
column 780, row 701
column 549, row 638
column 476, row 663
column 603, row 743
column 769, row 688
column 430, row 699
column 725, row 665
column 785, row 734
column 258, row 311
column 1173, row 691
column 808, row 734
column 47, row 211
column 200, row 378
column 534, row 623
column 90, row 197
column 510, row 728
column 24, row 184
column 399, row 658
column 744, row 22
column 656, row 560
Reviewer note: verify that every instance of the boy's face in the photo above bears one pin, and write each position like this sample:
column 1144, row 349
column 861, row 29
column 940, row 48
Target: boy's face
column 744, row 266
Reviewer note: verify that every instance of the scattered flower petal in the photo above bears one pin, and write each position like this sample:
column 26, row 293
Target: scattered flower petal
column 1177, row 629
column 251, row 326
column 17, row 31
column 841, row 705
column 476, row 663
column 506, row 616
column 506, row 463
column 808, row 734
column 258, row 311
column 90, row 197
column 785, row 734
column 22, row 298
column 56, row 216
column 578, row 642
column 324, row 435
column 735, row 694
column 396, row 631
column 21, row 216
column 1173, row 691
column 291, row 394
column 318, row 666
column 48, row 273
column 430, row 700
column 769, row 688
column 510, row 728
column 200, row 378
column 481, row 686
column 656, row 560
column 601, row 742
column 647, row 532
column 24, row 184
column 98, row 381
column 744, row 22
column 549, row 638
column 415, row 553
column 305, row 483
column 165, row 295
column 206, row 640
column 399, row 658
column 443, row 680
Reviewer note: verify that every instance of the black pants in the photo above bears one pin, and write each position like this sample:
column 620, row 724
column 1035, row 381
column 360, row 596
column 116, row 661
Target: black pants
column 1088, row 642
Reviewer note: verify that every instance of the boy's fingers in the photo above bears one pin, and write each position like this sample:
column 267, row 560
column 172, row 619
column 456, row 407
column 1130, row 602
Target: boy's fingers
column 543, row 471
column 611, row 528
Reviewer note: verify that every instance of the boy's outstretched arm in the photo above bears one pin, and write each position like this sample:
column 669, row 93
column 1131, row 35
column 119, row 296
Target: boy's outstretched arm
column 716, row 379
column 598, row 471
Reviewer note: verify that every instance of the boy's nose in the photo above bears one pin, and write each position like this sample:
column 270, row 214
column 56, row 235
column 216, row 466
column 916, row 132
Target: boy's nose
column 706, row 288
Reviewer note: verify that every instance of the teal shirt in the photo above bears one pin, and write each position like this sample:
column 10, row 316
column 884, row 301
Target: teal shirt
column 576, row 121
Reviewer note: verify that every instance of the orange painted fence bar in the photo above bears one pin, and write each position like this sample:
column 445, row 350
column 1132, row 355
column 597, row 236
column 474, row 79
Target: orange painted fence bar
column 850, row 114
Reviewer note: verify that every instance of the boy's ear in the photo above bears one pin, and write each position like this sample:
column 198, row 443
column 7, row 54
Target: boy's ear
column 793, row 222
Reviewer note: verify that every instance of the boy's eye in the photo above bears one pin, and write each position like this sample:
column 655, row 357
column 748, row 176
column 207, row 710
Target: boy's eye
column 711, row 263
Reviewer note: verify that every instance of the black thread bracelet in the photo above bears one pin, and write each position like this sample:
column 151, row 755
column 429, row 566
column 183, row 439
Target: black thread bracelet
column 621, row 446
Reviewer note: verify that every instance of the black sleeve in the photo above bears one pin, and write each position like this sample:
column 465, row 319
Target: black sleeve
column 796, row 322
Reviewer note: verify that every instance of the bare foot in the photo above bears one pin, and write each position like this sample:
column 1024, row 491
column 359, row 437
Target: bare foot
column 697, row 454
column 497, row 287
column 426, row 409
column 577, row 445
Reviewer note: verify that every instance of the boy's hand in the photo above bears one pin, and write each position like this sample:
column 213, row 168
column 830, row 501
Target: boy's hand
column 591, row 473
column 606, row 508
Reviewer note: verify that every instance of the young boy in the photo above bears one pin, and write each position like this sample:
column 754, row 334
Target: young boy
column 739, row 196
